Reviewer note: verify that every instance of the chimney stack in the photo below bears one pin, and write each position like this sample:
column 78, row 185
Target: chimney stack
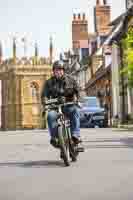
column 98, row 2
column 83, row 16
column 74, row 16
column 79, row 17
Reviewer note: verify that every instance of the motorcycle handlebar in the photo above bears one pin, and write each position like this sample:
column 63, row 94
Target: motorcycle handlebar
column 56, row 102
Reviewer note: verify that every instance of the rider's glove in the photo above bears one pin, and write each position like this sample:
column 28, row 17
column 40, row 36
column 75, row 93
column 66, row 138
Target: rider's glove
column 44, row 100
column 75, row 99
column 61, row 100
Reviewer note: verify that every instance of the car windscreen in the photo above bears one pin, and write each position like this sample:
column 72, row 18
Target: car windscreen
column 90, row 102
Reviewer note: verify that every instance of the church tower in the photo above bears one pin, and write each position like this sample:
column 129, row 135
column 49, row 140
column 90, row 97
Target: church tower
column 14, row 50
column 79, row 31
column 102, row 17
column 36, row 54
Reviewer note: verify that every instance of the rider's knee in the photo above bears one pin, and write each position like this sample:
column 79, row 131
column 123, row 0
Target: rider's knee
column 52, row 115
column 76, row 110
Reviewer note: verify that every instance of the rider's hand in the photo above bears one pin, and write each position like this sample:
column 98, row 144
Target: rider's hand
column 79, row 104
column 61, row 99
column 75, row 99
column 44, row 100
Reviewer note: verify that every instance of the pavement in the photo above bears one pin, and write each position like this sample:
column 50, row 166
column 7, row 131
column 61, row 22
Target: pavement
column 30, row 169
column 126, row 126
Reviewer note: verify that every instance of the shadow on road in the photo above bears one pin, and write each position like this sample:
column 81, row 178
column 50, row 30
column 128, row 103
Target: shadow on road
column 32, row 164
column 126, row 142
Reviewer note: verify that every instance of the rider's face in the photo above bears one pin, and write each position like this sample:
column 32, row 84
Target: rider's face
column 58, row 73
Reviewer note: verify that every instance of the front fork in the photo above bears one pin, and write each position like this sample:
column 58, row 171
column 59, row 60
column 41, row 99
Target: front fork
column 63, row 136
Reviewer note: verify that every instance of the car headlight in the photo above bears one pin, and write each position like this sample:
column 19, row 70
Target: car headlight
column 104, row 112
column 99, row 116
column 81, row 115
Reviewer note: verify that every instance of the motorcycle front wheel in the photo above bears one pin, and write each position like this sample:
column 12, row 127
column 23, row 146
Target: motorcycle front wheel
column 63, row 146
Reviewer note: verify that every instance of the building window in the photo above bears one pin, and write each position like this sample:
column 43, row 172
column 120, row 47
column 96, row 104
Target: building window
column 34, row 91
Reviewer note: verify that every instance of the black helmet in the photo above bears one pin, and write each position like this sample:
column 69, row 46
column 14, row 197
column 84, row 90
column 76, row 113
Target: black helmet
column 58, row 65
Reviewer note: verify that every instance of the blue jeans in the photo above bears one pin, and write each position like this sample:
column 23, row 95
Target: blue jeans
column 72, row 112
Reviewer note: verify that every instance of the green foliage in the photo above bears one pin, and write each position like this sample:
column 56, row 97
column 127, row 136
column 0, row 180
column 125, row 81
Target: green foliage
column 127, row 44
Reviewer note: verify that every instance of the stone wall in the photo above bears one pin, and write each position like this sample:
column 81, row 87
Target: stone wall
column 21, row 90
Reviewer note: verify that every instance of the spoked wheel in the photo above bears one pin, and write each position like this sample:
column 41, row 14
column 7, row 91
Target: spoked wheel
column 63, row 147
column 72, row 151
column 65, row 155
column 72, row 147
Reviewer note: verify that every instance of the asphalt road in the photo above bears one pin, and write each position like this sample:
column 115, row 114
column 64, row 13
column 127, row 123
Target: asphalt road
column 30, row 169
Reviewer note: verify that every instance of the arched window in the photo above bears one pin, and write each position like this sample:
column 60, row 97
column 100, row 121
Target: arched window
column 34, row 91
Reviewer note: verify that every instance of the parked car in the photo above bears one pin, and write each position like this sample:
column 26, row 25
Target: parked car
column 92, row 114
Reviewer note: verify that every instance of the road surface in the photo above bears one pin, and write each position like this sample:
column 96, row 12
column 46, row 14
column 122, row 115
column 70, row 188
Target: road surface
column 30, row 169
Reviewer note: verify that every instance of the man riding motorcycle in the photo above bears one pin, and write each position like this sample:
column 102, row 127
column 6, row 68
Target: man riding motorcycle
column 62, row 85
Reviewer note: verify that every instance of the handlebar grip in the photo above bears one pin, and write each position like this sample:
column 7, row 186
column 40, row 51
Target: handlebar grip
column 51, row 101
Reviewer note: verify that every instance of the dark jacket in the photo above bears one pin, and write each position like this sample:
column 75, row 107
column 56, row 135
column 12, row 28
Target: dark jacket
column 67, row 86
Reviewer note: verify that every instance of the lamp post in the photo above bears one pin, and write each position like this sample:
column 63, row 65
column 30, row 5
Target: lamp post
column 108, row 102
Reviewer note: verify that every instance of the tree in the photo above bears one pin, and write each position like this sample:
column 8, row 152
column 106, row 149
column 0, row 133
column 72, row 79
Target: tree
column 127, row 44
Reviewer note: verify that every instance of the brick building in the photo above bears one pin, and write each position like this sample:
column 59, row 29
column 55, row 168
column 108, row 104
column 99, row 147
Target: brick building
column 102, row 17
column 79, row 31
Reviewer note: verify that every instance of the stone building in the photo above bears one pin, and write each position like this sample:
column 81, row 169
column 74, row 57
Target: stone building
column 21, row 81
column 21, row 85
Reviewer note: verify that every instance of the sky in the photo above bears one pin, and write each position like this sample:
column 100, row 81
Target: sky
column 37, row 20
